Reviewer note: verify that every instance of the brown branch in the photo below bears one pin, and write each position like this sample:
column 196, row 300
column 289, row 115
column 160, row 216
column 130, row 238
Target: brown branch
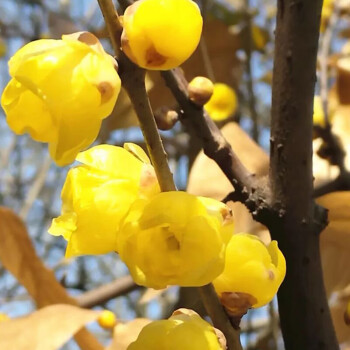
column 250, row 190
column 102, row 294
column 304, row 314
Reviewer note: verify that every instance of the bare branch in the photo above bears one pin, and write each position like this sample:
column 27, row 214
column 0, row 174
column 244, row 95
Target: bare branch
column 106, row 292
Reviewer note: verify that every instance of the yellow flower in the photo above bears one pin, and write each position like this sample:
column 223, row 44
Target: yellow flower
column 327, row 10
column 223, row 103
column 160, row 34
column 60, row 91
column 98, row 194
column 252, row 270
column 175, row 239
column 185, row 331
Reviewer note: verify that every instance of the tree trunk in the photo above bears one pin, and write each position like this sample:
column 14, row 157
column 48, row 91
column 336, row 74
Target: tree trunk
column 305, row 317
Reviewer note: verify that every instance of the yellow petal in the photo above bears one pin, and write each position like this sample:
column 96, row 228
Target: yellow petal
column 116, row 161
column 26, row 112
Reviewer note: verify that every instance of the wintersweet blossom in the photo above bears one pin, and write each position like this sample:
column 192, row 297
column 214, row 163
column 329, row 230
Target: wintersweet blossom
column 223, row 103
column 253, row 272
column 176, row 239
column 99, row 193
column 60, row 91
column 159, row 34
column 184, row 330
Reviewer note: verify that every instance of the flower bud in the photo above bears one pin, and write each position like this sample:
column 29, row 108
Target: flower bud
column 161, row 35
column 200, row 90
column 223, row 103
column 107, row 319
column 166, row 118
column 252, row 275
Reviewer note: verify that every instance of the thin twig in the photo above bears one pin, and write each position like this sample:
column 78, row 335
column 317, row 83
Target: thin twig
column 324, row 56
column 35, row 189
column 249, row 75
column 113, row 24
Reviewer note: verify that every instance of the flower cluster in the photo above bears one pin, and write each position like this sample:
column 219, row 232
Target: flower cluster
column 111, row 202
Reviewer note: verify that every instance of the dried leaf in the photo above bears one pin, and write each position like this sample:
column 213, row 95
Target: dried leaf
column 151, row 294
column 45, row 329
column 343, row 80
column 18, row 257
column 335, row 241
column 207, row 179
column 126, row 333
column 342, row 330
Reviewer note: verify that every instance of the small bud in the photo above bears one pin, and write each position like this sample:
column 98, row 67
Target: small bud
column 107, row 319
column 166, row 118
column 200, row 90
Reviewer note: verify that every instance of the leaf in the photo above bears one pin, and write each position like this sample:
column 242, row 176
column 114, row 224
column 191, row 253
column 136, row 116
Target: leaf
column 207, row 179
column 126, row 333
column 335, row 241
column 342, row 330
column 18, row 257
column 45, row 329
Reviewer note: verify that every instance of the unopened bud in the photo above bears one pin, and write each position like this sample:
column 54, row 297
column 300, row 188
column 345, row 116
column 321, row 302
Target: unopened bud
column 200, row 90
column 166, row 118
column 107, row 319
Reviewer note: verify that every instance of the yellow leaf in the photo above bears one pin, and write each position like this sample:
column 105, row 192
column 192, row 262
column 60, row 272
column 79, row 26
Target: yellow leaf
column 18, row 256
column 45, row 329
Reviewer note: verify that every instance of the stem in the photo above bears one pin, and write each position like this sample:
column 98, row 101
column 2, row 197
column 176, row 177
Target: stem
column 219, row 317
column 113, row 24
column 136, row 89
column 305, row 318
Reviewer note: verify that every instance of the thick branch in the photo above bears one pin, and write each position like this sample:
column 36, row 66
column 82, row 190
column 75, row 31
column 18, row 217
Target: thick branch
column 304, row 313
